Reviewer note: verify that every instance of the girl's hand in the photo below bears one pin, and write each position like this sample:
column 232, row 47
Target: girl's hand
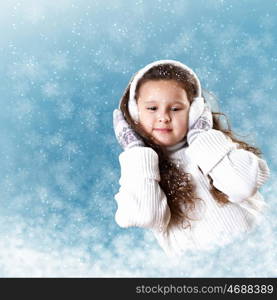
column 125, row 135
column 203, row 123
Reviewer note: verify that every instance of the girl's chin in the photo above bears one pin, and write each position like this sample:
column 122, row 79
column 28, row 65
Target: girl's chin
column 164, row 143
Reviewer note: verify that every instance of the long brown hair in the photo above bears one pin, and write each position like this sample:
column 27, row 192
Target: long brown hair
column 178, row 185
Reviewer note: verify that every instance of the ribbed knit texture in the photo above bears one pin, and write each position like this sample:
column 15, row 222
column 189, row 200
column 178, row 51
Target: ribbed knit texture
column 176, row 146
column 236, row 172
column 140, row 199
column 144, row 161
column 209, row 148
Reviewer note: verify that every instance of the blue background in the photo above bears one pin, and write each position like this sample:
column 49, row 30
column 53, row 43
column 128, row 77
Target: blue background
column 64, row 66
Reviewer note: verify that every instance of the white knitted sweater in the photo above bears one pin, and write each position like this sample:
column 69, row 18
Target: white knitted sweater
column 236, row 172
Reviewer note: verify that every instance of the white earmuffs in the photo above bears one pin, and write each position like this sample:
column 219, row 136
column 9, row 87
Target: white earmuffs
column 198, row 103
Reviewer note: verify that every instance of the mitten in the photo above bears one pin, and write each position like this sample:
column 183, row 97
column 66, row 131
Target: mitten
column 125, row 135
column 200, row 119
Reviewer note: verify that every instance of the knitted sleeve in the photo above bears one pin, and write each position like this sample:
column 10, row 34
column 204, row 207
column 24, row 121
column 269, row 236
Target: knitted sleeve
column 140, row 200
column 236, row 172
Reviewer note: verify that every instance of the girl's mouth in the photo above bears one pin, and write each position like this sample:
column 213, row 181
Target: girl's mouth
column 165, row 130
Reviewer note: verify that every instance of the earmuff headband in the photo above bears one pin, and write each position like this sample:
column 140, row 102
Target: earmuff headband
column 132, row 104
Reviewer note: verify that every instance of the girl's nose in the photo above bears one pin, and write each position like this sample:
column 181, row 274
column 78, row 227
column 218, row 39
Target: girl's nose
column 164, row 118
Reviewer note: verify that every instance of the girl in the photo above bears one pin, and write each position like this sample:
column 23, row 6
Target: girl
column 183, row 175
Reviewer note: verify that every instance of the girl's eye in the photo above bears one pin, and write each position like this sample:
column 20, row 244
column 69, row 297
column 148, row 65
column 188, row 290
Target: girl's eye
column 152, row 108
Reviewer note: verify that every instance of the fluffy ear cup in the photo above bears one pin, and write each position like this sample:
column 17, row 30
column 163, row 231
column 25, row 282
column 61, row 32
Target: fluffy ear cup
column 196, row 110
column 133, row 110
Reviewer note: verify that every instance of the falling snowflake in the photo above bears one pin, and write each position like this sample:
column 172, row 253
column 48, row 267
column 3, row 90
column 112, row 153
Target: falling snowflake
column 59, row 61
column 50, row 89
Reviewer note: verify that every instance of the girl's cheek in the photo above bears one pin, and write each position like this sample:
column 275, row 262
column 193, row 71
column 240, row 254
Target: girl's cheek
column 145, row 123
column 146, row 120
column 149, row 127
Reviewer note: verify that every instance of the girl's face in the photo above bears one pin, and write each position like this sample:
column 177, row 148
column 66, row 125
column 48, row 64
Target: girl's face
column 163, row 111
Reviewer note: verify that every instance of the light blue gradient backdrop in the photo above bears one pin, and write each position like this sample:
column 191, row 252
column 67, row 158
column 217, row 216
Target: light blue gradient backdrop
column 64, row 66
